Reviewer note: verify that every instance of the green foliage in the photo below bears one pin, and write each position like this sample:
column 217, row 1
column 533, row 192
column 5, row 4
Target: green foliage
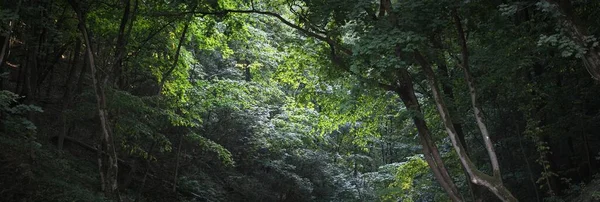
column 410, row 181
column 13, row 115
column 34, row 172
column 209, row 145
column 42, row 174
column 254, row 109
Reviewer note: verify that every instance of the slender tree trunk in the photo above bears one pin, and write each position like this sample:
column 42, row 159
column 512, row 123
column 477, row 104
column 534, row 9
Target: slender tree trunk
column 588, row 153
column 72, row 70
column 30, row 74
column 588, row 156
column 82, row 73
column 5, row 46
column 146, row 172
column 49, row 88
column 247, row 73
column 108, row 163
column 21, row 77
column 473, row 93
column 66, row 99
column 529, row 171
column 127, row 21
column 381, row 144
column 177, row 163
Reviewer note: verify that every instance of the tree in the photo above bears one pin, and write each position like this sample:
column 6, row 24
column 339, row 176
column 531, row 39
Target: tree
column 297, row 100
column 405, row 89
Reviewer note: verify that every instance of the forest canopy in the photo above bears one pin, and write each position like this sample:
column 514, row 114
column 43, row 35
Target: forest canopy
column 299, row 100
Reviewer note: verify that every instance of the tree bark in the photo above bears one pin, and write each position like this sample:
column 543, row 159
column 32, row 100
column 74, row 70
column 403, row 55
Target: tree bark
column 473, row 93
column 108, row 164
column 492, row 183
column 474, row 189
column 66, row 99
column 430, row 151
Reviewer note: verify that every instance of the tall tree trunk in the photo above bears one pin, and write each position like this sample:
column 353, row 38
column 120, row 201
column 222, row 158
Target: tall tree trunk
column 529, row 171
column 492, row 183
column 82, row 73
column 474, row 189
column 108, row 161
column 21, row 76
column 489, row 146
column 146, row 172
column 66, row 99
column 177, row 163
column 5, row 45
column 430, row 151
column 127, row 21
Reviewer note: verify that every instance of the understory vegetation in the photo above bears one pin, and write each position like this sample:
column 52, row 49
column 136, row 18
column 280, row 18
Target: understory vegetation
column 299, row 100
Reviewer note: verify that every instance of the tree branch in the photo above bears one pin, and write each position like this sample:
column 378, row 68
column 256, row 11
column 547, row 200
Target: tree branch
column 332, row 44
column 320, row 37
column 176, row 59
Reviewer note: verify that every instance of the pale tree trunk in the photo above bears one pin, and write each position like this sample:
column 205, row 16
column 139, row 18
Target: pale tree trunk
column 489, row 146
column 473, row 95
column 107, row 158
column 474, row 189
column 492, row 183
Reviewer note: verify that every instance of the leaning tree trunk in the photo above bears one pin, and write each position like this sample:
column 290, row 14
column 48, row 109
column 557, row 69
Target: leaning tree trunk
column 406, row 92
column 473, row 93
column 492, row 183
column 430, row 151
column 107, row 158
column 474, row 189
